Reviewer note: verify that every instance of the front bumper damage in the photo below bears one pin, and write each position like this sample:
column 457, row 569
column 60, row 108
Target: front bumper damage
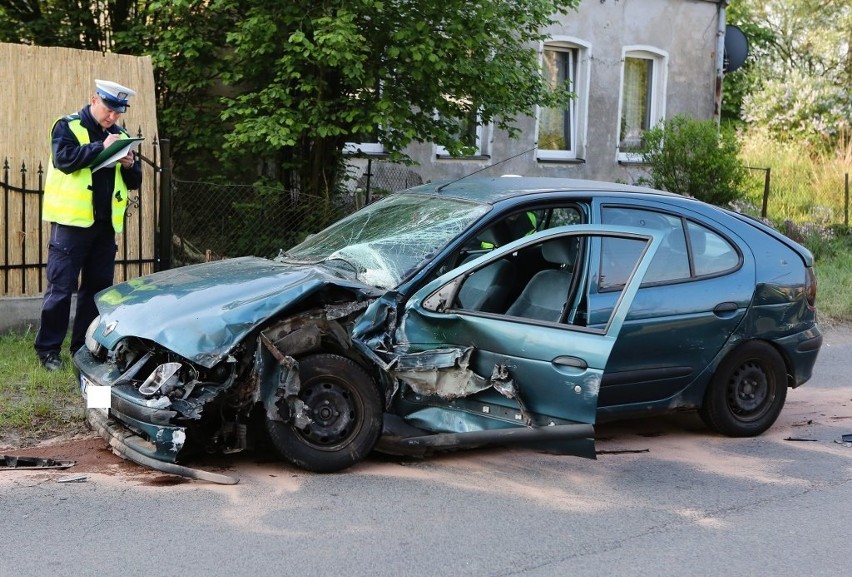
column 133, row 447
column 137, row 428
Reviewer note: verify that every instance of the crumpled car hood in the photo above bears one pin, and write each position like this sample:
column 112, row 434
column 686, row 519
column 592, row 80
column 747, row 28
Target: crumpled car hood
column 202, row 311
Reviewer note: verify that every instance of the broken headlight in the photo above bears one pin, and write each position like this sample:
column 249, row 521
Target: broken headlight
column 94, row 346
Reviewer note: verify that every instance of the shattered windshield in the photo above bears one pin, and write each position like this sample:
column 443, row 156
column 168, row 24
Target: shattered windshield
column 383, row 242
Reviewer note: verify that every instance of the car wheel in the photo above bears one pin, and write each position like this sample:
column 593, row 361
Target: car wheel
column 747, row 392
column 345, row 408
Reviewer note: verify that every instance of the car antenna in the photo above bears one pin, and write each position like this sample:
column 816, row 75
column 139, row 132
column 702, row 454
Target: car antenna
column 443, row 186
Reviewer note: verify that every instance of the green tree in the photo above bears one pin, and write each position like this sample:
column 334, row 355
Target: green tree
column 186, row 40
column 275, row 89
column 313, row 75
column 692, row 157
column 70, row 23
column 742, row 82
column 798, row 78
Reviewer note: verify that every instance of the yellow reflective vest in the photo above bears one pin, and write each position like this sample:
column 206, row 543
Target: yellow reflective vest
column 68, row 197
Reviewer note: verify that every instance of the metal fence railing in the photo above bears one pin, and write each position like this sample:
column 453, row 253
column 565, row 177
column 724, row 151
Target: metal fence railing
column 368, row 179
column 214, row 221
column 24, row 235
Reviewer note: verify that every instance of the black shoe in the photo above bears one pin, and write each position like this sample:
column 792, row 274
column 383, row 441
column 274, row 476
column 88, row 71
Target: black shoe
column 52, row 362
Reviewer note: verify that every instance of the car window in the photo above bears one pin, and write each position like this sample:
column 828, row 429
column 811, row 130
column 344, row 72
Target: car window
column 512, row 227
column 711, row 253
column 671, row 263
column 531, row 283
column 540, row 282
column 564, row 216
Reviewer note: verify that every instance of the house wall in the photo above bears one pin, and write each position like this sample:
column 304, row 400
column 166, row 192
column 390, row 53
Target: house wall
column 684, row 30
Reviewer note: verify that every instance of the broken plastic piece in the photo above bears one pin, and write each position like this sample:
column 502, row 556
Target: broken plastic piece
column 73, row 479
column 16, row 462
column 845, row 440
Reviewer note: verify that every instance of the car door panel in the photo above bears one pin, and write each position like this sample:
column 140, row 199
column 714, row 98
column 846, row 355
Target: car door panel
column 556, row 368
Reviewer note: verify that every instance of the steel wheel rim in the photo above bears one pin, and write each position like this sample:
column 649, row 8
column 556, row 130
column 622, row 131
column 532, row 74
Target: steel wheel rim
column 336, row 412
column 750, row 391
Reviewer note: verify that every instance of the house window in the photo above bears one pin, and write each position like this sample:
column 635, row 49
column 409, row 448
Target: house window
column 370, row 144
column 364, row 147
column 472, row 134
column 642, row 104
column 560, row 130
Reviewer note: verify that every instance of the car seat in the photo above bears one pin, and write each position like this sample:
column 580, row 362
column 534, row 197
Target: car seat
column 544, row 296
column 488, row 288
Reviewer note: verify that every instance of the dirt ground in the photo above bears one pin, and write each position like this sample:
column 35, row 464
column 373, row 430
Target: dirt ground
column 90, row 453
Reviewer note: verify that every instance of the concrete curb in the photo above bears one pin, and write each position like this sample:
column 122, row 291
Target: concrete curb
column 21, row 314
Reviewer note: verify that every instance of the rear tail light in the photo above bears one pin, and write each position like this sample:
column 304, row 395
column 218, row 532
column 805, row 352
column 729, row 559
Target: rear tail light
column 810, row 287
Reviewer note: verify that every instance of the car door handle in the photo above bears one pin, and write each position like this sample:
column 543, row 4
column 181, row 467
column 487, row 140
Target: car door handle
column 574, row 362
column 723, row 309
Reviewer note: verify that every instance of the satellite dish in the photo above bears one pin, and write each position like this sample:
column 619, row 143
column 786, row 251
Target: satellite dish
column 736, row 48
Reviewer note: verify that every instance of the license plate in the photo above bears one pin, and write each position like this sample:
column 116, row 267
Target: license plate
column 84, row 384
column 96, row 396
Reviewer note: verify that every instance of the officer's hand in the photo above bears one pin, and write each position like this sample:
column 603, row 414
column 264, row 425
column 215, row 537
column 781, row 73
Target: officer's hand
column 110, row 139
column 127, row 160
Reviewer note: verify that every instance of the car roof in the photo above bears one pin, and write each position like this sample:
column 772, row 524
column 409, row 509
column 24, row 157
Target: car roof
column 492, row 190
column 512, row 189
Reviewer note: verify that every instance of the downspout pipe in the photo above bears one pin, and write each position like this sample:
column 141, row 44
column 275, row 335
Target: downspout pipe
column 721, row 25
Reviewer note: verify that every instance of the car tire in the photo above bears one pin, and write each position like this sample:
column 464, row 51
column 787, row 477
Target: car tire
column 747, row 391
column 346, row 409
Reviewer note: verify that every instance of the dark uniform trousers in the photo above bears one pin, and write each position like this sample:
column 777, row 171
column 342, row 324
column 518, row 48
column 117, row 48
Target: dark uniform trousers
column 74, row 250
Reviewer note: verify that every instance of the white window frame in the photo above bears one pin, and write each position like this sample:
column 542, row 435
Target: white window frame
column 365, row 148
column 657, row 105
column 578, row 107
column 483, row 143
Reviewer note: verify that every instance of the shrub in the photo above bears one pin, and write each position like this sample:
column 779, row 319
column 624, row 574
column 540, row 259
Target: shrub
column 802, row 108
column 694, row 158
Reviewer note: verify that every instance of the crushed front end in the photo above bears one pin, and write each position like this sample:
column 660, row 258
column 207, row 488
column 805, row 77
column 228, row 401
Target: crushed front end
column 174, row 407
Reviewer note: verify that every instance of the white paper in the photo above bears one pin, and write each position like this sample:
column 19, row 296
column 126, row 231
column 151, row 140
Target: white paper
column 122, row 152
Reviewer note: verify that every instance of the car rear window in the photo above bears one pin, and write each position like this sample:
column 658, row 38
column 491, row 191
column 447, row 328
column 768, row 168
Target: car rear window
column 705, row 253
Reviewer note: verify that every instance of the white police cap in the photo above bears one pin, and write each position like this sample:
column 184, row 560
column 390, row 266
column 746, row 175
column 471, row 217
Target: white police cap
column 114, row 95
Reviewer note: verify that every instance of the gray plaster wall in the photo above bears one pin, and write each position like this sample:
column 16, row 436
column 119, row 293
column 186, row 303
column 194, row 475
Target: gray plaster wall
column 685, row 29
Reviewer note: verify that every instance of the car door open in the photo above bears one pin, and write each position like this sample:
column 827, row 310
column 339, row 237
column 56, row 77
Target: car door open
column 466, row 362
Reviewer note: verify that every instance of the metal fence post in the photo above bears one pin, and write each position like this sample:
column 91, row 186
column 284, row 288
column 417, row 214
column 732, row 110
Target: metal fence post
column 846, row 204
column 164, row 260
column 369, row 175
column 766, row 180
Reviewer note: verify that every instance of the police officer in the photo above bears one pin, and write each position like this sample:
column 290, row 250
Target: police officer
column 86, row 209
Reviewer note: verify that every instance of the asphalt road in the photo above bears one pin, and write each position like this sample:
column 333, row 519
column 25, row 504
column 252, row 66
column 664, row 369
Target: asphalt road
column 680, row 502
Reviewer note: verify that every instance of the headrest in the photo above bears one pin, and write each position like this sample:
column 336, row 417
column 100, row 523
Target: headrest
column 559, row 251
column 495, row 235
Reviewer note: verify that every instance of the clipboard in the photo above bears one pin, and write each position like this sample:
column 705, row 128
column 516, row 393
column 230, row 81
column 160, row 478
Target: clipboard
column 118, row 149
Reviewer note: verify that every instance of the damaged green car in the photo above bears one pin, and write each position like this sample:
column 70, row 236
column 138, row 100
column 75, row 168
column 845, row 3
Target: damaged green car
column 496, row 310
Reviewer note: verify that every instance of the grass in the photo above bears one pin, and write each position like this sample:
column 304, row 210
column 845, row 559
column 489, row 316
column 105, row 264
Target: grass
column 804, row 188
column 834, row 285
column 34, row 403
